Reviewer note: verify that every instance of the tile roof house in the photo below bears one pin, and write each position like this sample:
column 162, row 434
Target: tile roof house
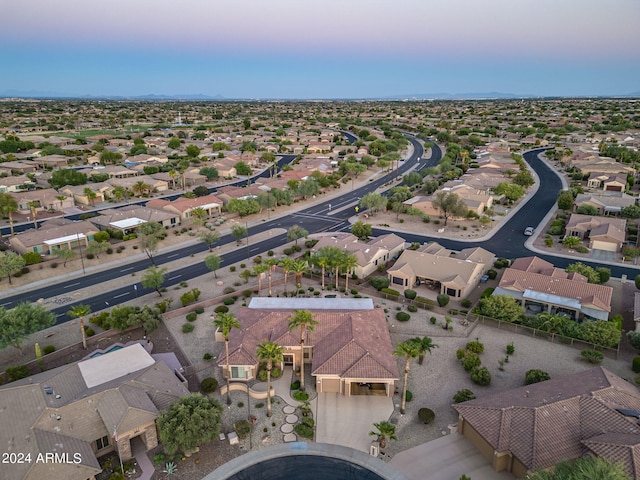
column 607, row 205
column 614, row 182
column 438, row 268
column 127, row 218
column 53, row 235
column 74, row 410
column 45, row 199
column 15, row 184
column 603, row 233
column 369, row 255
column 537, row 284
column 537, row 426
column 184, row 206
column 350, row 350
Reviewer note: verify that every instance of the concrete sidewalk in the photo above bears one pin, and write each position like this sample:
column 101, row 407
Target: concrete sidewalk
column 347, row 421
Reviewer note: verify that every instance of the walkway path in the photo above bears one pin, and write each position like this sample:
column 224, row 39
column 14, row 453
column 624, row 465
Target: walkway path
column 139, row 452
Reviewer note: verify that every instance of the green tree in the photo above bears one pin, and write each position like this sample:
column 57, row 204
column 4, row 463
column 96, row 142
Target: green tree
column 586, row 209
column 209, row 237
column 8, row 206
column 412, row 178
column 384, row 430
column 192, row 151
column 153, row 277
column 510, row 190
column 108, row 157
column 97, row 248
column 632, row 211
column 323, row 259
column 501, row 307
column 571, row 241
column 306, row 322
column 210, row 172
column 80, row 311
column 242, row 168
column 361, row 230
column 524, row 178
column 149, row 236
column 10, row 263
column 239, row 231
column 299, row 267
column 565, row 200
column 348, row 261
column 212, row 262
column 198, row 215
column 425, row 345
column 408, row 349
column 225, row 322
column 174, row 143
column 307, row 188
column 189, row 422
column 583, row 468
column 269, row 352
column 67, row 176
column 20, row 322
column 450, row 205
column 592, row 275
column 374, row 202
column 66, row 255
column 243, row 206
column 296, row 232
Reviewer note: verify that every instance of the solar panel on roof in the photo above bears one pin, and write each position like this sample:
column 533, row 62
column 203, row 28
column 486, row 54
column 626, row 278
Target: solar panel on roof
column 628, row 412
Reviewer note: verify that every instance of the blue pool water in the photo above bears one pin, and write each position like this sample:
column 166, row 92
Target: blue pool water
column 112, row 349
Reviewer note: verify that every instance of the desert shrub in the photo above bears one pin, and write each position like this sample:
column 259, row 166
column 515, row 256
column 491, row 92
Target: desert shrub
column 634, row 339
column 207, row 356
column 592, row 356
column 460, row 353
column 492, row 274
column 390, row 291
column 191, row 316
column 466, row 303
column 188, row 327
column 295, row 385
column 276, row 372
column 242, row 428
column 501, row 263
column 487, row 292
column 403, row 316
column 48, row 349
column 470, row 361
column 31, row 258
column 16, row 373
column 228, row 290
column 259, row 405
column 409, row 396
column 90, row 332
column 90, row 256
column 635, row 364
column 229, row 301
column 308, row 421
column 433, row 320
column 221, row 309
column 303, row 431
column 190, row 297
column 426, row 303
column 481, row 376
column 199, row 310
column 410, row 294
column 463, row 395
column 301, row 396
column 475, row 346
column 443, row 299
column 535, row 375
column 209, row 385
column 101, row 320
column 412, row 308
column 581, row 249
column 426, row 415
column 453, row 311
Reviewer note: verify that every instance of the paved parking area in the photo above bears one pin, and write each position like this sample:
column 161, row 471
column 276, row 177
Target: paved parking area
column 347, row 421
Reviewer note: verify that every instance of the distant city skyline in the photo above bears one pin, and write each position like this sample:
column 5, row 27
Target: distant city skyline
column 313, row 50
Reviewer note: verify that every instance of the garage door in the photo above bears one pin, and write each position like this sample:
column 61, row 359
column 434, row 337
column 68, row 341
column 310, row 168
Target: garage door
column 608, row 246
column 331, row 385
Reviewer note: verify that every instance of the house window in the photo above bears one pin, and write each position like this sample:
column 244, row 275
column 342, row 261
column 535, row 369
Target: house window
column 102, row 442
column 397, row 280
column 237, row 372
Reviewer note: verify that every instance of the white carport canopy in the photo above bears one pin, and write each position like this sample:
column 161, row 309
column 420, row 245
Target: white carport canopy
column 128, row 223
column 65, row 239
column 551, row 298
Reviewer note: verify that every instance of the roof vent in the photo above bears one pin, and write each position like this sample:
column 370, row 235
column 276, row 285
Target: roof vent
column 48, row 390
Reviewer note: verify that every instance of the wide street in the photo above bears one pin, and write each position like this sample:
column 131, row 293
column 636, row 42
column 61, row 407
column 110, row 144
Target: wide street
column 506, row 242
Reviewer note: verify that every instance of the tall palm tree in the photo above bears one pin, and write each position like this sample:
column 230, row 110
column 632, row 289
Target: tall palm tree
column 61, row 199
column 140, row 188
column 384, row 430
column 425, row 345
column 348, row 262
column 286, row 264
column 269, row 352
column 271, row 263
column 8, row 205
column 199, row 214
column 409, row 349
column 91, row 195
column 173, row 174
column 299, row 267
column 320, row 260
column 119, row 192
column 80, row 311
column 225, row 322
column 305, row 321
column 259, row 270
column 34, row 212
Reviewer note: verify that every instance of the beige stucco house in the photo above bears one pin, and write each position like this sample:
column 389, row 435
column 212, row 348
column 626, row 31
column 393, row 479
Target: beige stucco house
column 53, row 235
column 603, row 233
column 184, row 206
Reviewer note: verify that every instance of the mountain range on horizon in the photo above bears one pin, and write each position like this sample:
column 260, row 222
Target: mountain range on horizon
column 36, row 94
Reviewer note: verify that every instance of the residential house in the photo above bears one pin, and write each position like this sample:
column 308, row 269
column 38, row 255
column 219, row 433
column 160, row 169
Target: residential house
column 12, row 184
column 114, row 171
column 435, row 267
column 127, row 219
column 614, row 182
column 17, row 167
column 226, row 167
column 53, row 235
column 610, row 204
column 537, row 426
column 538, row 285
column 52, row 161
column 603, row 233
column 474, row 199
column 41, row 200
column 153, row 184
column 602, row 165
column 636, row 311
column 184, row 206
column 78, row 410
column 350, row 350
column 241, row 193
column 369, row 255
column 79, row 192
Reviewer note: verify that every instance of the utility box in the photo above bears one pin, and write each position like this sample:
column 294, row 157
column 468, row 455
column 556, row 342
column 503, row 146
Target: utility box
column 374, row 449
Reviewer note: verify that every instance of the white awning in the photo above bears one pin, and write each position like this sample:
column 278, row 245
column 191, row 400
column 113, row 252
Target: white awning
column 553, row 299
column 66, row 239
column 128, row 223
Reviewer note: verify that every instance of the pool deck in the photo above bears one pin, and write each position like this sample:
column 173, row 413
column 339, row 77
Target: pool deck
column 148, row 346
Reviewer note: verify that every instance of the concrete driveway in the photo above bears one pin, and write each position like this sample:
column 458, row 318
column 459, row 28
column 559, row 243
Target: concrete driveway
column 446, row 458
column 347, row 421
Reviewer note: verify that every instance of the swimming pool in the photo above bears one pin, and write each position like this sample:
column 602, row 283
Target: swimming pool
column 104, row 352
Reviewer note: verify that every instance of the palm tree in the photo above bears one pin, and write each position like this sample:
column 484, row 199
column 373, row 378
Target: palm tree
column 327, row 258
column 259, row 270
column 305, row 321
column 209, row 237
column 225, row 322
column 348, row 262
column 199, row 214
column 91, row 195
column 385, row 429
column 299, row 267
column 425, row 345
column 119, row 192
column 173, row 174
column 34, row 213
column 321, row 261
column 270, row 352
column 8, row 205
column 409, row 349
column 271, row 263
column 80, row 311
column 286, row 264
column 61, row 199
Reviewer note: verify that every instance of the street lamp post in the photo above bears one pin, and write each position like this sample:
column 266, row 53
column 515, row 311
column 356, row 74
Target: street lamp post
column 247, row 228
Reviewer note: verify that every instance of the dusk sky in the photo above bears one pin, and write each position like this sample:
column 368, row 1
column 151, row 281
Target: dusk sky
column 322, row 49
